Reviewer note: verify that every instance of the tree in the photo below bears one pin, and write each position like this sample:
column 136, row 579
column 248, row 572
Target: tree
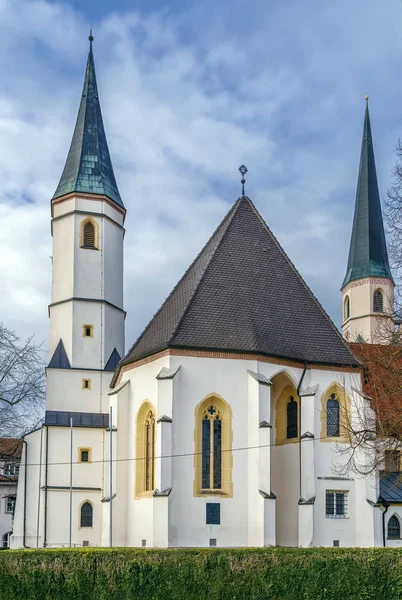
column 393, row 216
column 22, row 384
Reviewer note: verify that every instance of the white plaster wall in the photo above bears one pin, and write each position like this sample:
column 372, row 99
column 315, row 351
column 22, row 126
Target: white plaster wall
column 197, row 378
column 34, row 459
column 362, row 320
column 65, row 393
column 85, row 475
column 63, row 259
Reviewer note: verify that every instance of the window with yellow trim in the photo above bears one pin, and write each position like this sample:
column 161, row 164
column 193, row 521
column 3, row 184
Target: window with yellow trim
column 213, row 456
column 346, row 308
column 333, row 422
column 145, row 450
column 89, row 234
column 84, row 455
column 335, row 414
column 287, row 416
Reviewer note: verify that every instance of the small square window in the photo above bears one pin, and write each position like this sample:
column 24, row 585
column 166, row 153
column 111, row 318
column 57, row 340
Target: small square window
column 87, row 331
column 336, row 504
column 212, row 542
column 335, row 543
column 213, row 513
column 84, row 455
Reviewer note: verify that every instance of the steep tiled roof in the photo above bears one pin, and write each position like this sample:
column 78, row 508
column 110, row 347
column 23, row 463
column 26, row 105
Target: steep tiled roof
column 59, row 359
column 368, row 250
column 243, row 294
column 88, row 166
column 10, row 447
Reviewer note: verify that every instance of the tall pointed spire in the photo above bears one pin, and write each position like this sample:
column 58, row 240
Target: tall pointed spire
column 88, row 167
column 368, row 256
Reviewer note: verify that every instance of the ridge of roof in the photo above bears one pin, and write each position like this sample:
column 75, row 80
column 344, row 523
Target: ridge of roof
column 88, row 168
column 243, row 294
column 368, row 255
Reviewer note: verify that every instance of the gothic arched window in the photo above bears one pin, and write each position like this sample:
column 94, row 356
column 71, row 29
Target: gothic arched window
column 89, row 234
column 211, row 449
column 144, row 464
column 378, row 301
column 333, row 417
column 346, row 308
column 291, row 419
column 150, row 452
column 394, row 528
column 86, row 517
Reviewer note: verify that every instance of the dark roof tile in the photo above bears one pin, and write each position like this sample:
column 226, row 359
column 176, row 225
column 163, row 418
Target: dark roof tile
column 242, row 293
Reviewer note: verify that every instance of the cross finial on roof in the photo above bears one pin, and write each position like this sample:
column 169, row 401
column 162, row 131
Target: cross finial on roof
column 367, row 97
column 243, row 170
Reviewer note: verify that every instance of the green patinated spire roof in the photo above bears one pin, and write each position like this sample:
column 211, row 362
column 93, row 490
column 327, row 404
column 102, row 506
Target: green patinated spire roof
column 368, row 256
column 88, row 167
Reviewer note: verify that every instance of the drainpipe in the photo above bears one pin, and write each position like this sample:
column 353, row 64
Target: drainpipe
column 386, row 506
column 25, row 495
column 298, row 395
column 46, row 469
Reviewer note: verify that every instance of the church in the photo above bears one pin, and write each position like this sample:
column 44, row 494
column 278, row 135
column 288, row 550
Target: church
column 221, row 426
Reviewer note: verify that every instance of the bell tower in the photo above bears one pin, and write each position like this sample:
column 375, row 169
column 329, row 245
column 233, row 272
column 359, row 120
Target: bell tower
column 368, row 287
column 86, row 311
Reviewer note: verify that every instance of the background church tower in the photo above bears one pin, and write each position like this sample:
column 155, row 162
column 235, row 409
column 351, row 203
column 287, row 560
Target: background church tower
column 368, row 287
column 86, row 313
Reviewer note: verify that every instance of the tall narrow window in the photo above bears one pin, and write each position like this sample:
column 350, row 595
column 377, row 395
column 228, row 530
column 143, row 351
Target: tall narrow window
column 346, row 308
column 394, row 528
column 150, row 452
column 86, row 515
column 378, row 301
column 292, row 417
column 211, row 449
column 333, row 417
column 89, row 234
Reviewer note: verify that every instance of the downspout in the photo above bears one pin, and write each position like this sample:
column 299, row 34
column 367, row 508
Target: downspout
column 46, row 469
column 299, row 425
column 25, row 495
column 386, row 505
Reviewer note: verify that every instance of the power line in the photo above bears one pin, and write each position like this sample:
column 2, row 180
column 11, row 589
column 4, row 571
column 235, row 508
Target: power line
column 182, row 455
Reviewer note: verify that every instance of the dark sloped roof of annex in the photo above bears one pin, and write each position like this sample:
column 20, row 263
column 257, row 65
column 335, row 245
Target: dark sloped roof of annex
column 243, row 294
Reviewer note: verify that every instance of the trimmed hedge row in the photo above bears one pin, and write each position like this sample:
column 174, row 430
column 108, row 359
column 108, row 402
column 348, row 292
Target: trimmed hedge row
column 202, row 574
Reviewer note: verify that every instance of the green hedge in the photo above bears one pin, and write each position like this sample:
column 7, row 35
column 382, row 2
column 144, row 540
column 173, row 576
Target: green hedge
column 235, row 574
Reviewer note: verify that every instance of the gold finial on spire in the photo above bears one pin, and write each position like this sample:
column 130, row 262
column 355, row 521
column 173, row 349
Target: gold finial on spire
column 367, row 97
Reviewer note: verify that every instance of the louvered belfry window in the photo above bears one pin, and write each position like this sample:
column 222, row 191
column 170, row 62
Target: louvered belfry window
column 89, row 235
column 378, row 301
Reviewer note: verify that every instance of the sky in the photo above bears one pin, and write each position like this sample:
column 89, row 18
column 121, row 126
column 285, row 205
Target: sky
column 189, row 92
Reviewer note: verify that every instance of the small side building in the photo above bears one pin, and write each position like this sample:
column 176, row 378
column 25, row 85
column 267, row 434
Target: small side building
column 10, row 456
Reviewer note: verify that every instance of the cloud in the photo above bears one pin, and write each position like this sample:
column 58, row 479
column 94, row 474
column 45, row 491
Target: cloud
column 185, row 101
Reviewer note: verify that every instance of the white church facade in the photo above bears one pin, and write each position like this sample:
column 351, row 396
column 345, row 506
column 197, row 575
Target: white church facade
column 225, row 418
